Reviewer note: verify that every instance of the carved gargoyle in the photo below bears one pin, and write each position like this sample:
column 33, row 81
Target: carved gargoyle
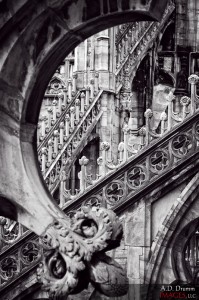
column 76, row 254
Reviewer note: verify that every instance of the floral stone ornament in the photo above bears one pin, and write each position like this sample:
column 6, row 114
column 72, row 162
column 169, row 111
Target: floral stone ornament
column 76, row 254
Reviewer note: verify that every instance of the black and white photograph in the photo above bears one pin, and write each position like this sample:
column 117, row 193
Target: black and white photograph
column 99, row 149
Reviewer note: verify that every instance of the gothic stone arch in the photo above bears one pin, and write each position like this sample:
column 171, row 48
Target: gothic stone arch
column 166, row 259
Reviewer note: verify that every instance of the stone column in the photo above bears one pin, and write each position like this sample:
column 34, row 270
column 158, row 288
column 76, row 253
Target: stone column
column 73, row 180
column 101, row 58
column 77, row 110
column 82, row 174
column 82, row 96
column 72, row 117
column 67, row 125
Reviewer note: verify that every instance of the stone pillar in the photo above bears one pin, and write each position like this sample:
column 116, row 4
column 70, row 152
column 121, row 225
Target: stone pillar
column 72, row 117
column 82, row 174
column 67, row 125
column 69, row 90
column 62, row 186
column 92, row 82
column 73, row 180
column 77, row 110
column 101, row 57
column 104, row 129
column 82, row 103
column 135, row 239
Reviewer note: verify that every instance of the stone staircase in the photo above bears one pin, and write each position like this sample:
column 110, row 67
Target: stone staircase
column 164, row 162
column 132, row 44
column 133, row 145
column 67, row 120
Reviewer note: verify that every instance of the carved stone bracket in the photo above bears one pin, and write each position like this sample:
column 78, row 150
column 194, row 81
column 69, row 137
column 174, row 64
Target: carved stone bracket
column 76, row 254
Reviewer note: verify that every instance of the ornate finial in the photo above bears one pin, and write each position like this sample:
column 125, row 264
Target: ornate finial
column 82, row 95
column 100, row 160
column 50, row 142
column 193, row 79
column 77, row 102
column 49, row 109
column 83, row 161
column 62, row 176
column 56, row 133
column 72, row 109
column 121, row 147
column 163, row 116
column 126, row 129
column 148, row 113
column 67, row 117
column 142, row 131
column 105, row 146
column 44, row 150
column 54, row 102
column 185, row 101
column 61, row 125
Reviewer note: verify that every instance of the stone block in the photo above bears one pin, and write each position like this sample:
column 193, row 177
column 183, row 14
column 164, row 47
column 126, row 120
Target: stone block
column 133, row 262
column 135, row 227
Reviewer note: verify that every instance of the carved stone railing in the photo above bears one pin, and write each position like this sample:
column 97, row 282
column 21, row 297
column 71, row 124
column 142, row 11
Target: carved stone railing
column 59, row 96
column 64, row 153
column 60, row 132
column 20, row 260
column 122, row 31
column 146, row 167
column 133, row 44
column 12, row 231
column 103, row 234
column 127, row 41
column 131, row 147
column 161, row 160
column 133, row 144
column 50, row 122
column 143, row 167
column 62, row 106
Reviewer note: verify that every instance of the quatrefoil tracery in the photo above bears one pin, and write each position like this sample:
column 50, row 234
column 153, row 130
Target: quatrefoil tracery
column 159, row 160
column 115, row 192
column 136, row 177
column 182, row 144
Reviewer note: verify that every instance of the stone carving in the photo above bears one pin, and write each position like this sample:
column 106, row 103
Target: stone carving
column 66, row 137
column 76, row 254
column 173, row 150
column 138, row 44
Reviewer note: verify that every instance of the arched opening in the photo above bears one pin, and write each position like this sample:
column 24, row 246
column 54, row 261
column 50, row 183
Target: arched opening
column 32, row 87
column 185, row 254
column 167, row 42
